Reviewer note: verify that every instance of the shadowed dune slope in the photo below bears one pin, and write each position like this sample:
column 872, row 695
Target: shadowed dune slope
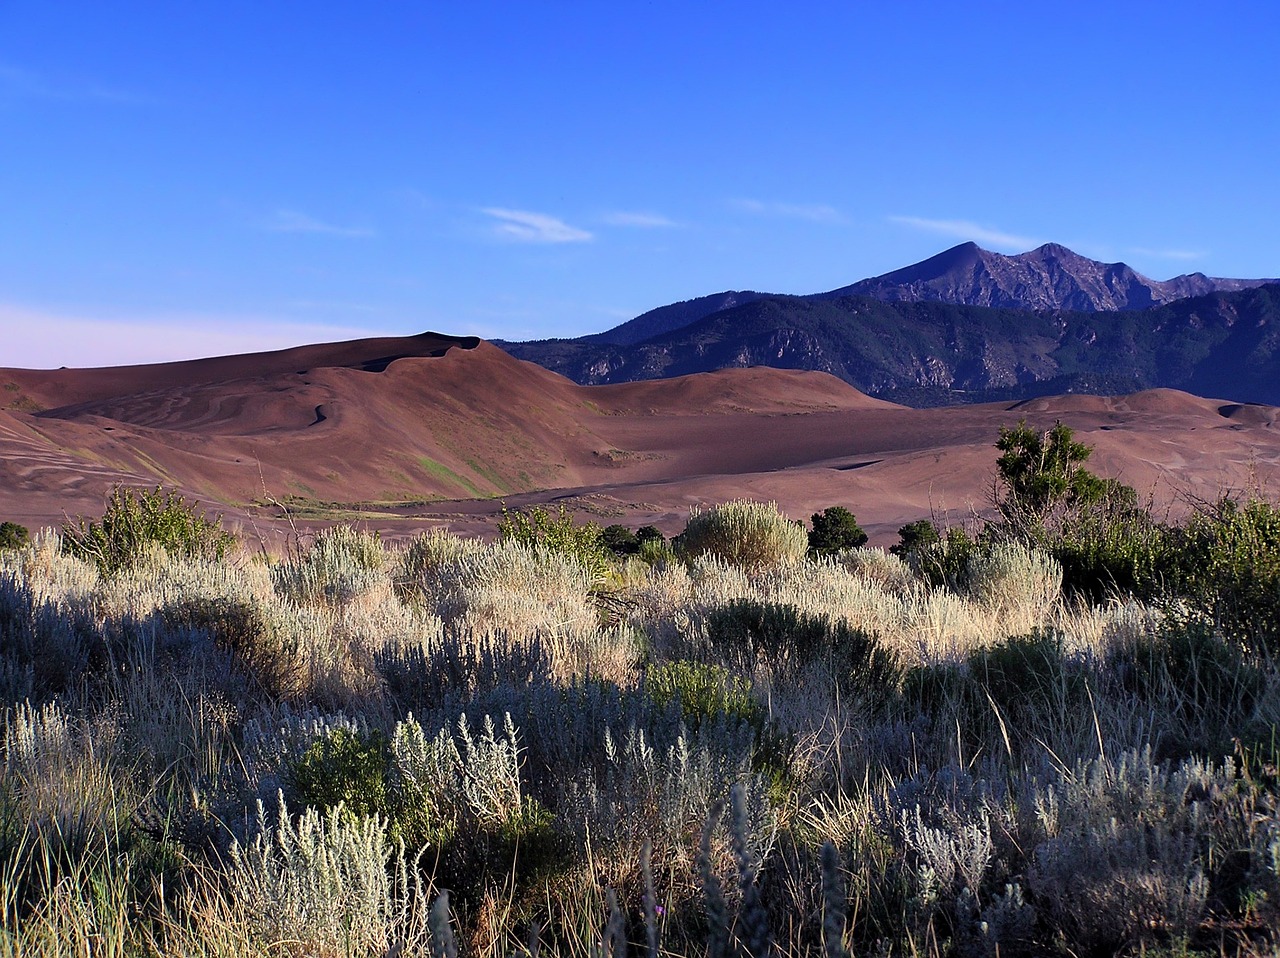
column 436, row 429
column 62, row 387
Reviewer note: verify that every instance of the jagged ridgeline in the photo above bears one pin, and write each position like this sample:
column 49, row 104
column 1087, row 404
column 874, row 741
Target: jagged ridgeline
column 965, row 326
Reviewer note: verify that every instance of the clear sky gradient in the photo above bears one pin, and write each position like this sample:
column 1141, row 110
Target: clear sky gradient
column 186, row 179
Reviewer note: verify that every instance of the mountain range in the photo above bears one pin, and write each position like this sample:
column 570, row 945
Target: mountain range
column 963, row 326
column 427, row 430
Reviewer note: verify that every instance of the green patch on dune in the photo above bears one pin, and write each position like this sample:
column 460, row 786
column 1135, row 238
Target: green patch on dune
column 17, row 401
column 155, row 467
column 488, row 474
column 439, row 470
column 399, row 478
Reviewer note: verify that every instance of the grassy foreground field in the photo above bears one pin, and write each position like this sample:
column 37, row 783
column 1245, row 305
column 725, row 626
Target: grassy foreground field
column 528, row 747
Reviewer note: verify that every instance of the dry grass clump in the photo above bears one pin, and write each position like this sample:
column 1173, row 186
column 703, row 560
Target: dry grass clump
column 48, row 571
column 419, row 563
column 883, row 569
column 875, row 595
column 1012, row 580
column 730, row 754
column 65, row 776
column 509, row 587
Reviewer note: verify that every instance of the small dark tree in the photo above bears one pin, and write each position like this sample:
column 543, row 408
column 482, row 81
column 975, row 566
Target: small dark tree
column 13, row 536
column 915, row 537
column 1107, row 543
column 835, row 528
column 650, row 534
column 1041, row 470
column 1042, row 483
column 620, row 540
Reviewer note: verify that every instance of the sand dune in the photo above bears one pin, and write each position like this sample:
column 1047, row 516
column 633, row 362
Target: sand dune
column 401, row 433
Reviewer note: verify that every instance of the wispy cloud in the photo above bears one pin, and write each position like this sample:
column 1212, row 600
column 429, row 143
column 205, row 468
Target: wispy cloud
column 37, row 338
column 814, row 212
column 1178, row 254
column 528, row 227
column 415, row 198
column 966, row 230
column 291, row 221
column 641, row 219
column 25, row 84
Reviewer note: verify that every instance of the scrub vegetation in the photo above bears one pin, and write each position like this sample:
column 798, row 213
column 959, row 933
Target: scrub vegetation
column 1053, row 734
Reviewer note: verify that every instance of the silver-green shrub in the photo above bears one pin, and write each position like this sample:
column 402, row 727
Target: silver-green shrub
column 1010, row 578
column 342, row 564
column 1124, row 847
column 327, row 883
column 467, row 773
column 751, row 535
column 883, row 569
column 420, row 562
column 948, row 861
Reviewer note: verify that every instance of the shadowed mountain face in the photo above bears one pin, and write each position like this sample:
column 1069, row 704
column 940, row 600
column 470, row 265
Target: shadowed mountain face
column 909, row 343
column 675, row 316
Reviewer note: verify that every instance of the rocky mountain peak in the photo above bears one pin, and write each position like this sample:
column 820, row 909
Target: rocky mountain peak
column 1051, row 276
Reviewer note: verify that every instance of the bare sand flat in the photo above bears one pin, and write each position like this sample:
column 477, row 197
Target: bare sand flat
column 403, row 434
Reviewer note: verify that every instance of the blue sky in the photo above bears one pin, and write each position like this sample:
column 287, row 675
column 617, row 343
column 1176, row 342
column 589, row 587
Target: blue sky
column 184, row 179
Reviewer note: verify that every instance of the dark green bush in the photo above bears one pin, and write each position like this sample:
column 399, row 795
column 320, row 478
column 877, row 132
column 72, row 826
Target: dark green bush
column 136, row 520
column 1120, row 551
column 944, row 562
column 1004, row 696
column 655, row 551
column 915, row 537
column 650, row 534
column 526, row 849
column 342, row 767
column 704, row 692
column 13, row 536
column 1192, row 674
column 1229, row 570
column 242, row 628
column 1031, row 672
column 787, row 641
column 620, row 540
column 835, row 528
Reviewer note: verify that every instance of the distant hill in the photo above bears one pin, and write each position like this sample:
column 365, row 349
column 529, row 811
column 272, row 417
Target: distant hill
column 675, row 316
column 1049, row 277
column 927, row 353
